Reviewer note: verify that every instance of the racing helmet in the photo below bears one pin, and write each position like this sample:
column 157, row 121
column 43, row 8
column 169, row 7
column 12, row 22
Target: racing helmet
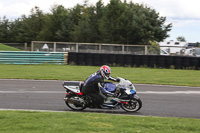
column 105, row 71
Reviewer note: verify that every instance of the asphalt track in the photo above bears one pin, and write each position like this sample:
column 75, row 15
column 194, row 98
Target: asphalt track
column 158, row 100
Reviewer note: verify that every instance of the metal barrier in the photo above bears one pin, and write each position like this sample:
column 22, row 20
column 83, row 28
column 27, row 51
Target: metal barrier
column 23, row 57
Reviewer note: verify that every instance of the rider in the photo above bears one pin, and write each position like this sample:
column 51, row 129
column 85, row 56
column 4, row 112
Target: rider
column 95, row 81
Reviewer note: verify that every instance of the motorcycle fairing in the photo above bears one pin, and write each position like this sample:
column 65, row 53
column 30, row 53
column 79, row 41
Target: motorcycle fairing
column 72, row 86
column 110, row 87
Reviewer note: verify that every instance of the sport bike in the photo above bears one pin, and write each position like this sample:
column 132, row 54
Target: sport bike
column 124, row 96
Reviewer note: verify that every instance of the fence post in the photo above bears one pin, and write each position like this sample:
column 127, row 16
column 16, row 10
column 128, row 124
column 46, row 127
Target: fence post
column 25, row 46
column 122, row 49
column 77, row 47
column 54, row 47
column 32, row 46
column 145, row 50
column 99, row 48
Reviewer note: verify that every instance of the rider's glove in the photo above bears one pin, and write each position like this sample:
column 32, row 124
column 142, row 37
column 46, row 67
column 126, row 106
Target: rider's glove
column 117, row 80
column 115, row 95
column 104, row 91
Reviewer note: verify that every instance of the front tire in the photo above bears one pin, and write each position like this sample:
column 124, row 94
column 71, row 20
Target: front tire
column 75, row 107
column 133, row 105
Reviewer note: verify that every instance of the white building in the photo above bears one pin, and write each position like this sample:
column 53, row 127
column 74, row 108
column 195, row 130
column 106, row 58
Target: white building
column 174, row 48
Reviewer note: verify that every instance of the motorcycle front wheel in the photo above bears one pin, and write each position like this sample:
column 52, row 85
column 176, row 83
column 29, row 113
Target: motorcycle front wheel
column 75, row 106
column 133, row 105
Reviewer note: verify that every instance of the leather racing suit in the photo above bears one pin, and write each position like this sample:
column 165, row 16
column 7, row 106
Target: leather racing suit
column 91, row 87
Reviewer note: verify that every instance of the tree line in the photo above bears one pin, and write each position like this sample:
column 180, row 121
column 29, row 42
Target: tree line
column 117, row 22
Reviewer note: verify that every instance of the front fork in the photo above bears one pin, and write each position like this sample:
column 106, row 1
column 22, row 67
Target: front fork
column 136, row 97
column 127, row 102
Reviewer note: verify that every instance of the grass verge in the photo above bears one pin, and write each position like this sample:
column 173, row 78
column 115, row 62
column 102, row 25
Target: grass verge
column 79, row 73
column 69, row 122
column 7, row 48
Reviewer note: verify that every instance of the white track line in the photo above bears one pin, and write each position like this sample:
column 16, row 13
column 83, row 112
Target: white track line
column 139, row 92
column 42, row 92
column 72, row 81
column 169, row 92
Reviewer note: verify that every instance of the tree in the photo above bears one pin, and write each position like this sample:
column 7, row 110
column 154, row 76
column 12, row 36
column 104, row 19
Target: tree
column 111, row 26
column 4, row 28
column 53, row 24
column 116, row 22
column 88, row 26
column 63, row 34
column 181, row 39
column 31, row 26
column 131, row 23
column 14, row 31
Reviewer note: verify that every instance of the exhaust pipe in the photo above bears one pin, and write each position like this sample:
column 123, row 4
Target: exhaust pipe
column 65, row 99
column 72, row 101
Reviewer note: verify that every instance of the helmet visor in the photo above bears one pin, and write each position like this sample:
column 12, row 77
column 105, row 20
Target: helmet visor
column 107, row 75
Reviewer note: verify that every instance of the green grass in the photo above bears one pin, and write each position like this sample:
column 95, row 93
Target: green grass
column 69, row 122
column 79, row 73
column 7, row 48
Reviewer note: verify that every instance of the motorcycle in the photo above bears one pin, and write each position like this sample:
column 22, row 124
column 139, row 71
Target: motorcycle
column 124, row 96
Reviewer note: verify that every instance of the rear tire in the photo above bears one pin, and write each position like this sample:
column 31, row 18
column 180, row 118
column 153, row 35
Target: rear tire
column 133, row 105
column 74, row 106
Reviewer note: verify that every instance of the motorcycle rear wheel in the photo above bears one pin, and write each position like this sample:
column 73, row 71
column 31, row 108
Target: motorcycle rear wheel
column 75, row 107
column 133, row 105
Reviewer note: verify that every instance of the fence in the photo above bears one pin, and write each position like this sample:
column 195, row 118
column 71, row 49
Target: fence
column 113, row 48
column 97, row 59
column 10, row 57
column 93, row 48
column 45, row 46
